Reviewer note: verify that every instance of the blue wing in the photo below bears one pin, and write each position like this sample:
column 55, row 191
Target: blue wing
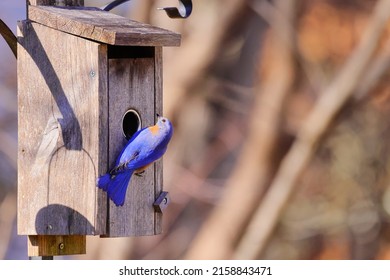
column 121, row 158
column 141, row 150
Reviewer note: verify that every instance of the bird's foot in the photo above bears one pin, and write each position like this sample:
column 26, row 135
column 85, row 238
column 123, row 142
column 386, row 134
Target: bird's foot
column 140, row 174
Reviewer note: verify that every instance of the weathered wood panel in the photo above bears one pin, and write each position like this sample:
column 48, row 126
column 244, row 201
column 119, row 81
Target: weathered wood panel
column 62, row 107
column 102, row 26
column 131, row 86
column 56, row 245
column 158, row 103
column 57, row 2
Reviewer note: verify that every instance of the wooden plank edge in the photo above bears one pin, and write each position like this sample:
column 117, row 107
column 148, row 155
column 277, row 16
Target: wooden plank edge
column 54, row 19
column 56, row 245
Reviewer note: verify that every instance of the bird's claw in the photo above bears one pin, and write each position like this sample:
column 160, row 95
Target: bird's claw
column 140, row 174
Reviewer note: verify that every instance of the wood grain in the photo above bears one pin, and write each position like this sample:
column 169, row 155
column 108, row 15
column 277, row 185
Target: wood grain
column 158, row 103
column 56, row 245
column 56, row 2
column 37, row 245
column 101, row 26
column 62, row 108
column 131, row 86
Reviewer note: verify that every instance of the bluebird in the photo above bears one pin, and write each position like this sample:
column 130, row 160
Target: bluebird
column 146, row 146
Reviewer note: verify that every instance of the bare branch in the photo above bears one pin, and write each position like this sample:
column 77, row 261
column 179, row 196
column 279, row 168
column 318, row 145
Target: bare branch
column 331, row 102
column 219, row 234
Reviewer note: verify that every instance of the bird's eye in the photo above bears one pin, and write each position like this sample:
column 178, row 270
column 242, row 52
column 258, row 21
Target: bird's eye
column 163, row 120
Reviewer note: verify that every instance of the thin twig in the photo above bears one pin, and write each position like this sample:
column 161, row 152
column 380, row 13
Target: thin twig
column 376, row 70
column 274, row 17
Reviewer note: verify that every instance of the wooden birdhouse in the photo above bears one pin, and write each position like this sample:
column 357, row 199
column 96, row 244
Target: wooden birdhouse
column 87, row 80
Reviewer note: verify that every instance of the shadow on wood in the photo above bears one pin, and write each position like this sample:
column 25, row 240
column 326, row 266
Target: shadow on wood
column 56, row 219
column 70, row 126
column 51, row 223
column 62, row 101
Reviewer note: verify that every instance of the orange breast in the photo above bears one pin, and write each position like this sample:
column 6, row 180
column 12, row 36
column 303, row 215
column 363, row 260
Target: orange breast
column 154, row 129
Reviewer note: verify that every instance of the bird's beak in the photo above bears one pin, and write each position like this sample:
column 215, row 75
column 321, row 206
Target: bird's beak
column 158, row 116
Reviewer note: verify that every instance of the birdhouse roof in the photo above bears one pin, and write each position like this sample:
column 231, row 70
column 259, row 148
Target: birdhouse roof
column 102, row 26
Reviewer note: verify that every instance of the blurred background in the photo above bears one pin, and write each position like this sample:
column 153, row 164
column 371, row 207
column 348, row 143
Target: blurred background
column 281, row 113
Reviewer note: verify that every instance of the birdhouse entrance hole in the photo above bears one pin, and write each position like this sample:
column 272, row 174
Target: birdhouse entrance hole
column 131, row 123
column 130, row 52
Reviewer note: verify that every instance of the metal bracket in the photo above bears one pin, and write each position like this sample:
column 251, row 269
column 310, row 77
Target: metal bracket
column 161, row 202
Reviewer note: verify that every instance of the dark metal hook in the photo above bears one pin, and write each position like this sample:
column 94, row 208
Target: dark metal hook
column 9, row 37
column 114, row 4
column 183, row 11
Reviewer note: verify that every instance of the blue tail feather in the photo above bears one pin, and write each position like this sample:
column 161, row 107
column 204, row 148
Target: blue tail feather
column 115, row 187
column 104, row 181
